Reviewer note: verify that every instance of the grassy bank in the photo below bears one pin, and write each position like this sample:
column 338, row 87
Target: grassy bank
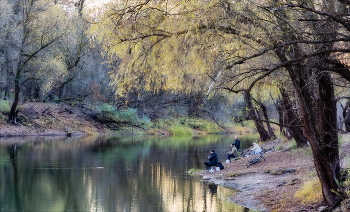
column 59, row 118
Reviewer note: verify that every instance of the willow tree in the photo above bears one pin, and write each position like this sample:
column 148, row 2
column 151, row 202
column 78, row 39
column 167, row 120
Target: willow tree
column 171, row 44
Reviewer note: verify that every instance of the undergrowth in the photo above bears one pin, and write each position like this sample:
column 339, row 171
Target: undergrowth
column 310, row 192
column 109, row 112
column 5, row 107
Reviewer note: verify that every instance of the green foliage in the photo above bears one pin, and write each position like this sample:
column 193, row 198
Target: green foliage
column 293, row 144
column 186, row 126
column 5, row 106
column 248, row 123
column 180, row 130
column 107, row 111
column 200, row 124
column 194, row 171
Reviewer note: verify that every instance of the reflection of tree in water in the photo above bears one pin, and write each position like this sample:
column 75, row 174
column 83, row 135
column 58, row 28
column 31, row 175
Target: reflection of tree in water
column 213, row 188
column 12, row 150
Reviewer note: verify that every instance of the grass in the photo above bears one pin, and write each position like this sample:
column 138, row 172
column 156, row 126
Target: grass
column 310, row 192
column 180, row 130
column 346, row 183
column 194, row 171
column 186, row 126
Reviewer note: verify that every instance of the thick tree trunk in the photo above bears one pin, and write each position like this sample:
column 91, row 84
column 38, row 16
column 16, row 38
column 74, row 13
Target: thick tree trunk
column 264, row 136
column 328, row 138
column 292, row 121
column 318, row 107
column 266, row 117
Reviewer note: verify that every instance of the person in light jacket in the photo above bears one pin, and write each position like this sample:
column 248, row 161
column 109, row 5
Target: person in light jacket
column 256, row 149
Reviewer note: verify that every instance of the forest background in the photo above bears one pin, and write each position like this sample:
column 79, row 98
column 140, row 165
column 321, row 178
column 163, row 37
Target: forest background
column 182, row 65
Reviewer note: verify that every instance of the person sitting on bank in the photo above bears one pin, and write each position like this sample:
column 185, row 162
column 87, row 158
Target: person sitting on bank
column 256, row 149
column 233, row 153
column 237, row 142
column 213, row 160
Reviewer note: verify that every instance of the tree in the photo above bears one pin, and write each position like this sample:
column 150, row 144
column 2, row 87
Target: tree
column 39, row 28
column 250, row 41
column 6, row 28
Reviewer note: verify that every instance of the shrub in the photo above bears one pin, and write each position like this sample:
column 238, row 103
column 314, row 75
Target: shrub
column 107, row 111
column 5, row 106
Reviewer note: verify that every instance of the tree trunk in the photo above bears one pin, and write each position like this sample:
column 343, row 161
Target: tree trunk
column 318, row 108
column 13, row 112
column 292, row 121
column 279, row 109
column 264, row 136
column 346, row 116
column 266, row 117
column 269, row 128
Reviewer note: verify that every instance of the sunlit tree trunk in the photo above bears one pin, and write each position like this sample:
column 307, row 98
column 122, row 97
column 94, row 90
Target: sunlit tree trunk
column 293, row 123
column 266, row 117
column 264, row 135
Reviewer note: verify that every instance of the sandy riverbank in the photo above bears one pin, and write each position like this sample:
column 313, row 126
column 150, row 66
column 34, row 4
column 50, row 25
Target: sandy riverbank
column 271, row 185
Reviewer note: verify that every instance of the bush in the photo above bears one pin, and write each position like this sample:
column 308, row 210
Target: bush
column 5, row 106
column 107, row 111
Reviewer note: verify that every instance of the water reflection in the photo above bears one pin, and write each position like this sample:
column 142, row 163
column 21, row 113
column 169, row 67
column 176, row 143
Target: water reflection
column 110, row 174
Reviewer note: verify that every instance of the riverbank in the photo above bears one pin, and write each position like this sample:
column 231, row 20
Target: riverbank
column 60, row 119
column 272, row 184
column 269, row 185
column 50, row 119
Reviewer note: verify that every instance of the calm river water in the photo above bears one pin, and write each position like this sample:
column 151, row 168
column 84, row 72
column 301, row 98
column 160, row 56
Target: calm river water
column 109, row 174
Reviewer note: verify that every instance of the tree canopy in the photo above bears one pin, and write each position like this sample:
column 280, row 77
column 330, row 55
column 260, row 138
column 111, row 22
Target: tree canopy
column 240, row 46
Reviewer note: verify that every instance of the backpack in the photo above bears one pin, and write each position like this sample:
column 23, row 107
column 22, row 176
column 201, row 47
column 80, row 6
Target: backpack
column 221, row 166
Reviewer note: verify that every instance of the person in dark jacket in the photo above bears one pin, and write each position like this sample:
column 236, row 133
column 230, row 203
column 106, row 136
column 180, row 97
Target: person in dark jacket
column 237, row 142
column 213, row 160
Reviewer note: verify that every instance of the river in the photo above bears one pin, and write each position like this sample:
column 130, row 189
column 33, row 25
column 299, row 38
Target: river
column 120, row 173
